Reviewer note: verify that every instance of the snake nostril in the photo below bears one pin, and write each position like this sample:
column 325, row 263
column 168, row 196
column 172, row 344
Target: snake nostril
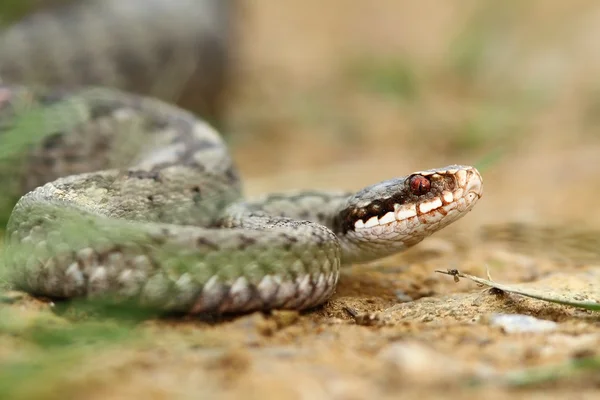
column 419, row 185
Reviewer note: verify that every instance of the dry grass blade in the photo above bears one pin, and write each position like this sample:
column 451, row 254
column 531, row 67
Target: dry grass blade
column 553, row 297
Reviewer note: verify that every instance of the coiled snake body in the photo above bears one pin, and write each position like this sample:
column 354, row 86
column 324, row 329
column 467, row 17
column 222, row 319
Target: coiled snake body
column 168, row 227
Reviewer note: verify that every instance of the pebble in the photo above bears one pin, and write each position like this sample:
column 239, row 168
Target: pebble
column 519, row 323
column 416, row 362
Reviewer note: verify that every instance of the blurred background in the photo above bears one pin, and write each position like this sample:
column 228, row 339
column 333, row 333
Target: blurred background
column 347, row 93
column 353, row 92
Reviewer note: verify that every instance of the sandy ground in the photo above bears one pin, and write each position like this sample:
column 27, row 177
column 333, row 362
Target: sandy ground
column 346, row 93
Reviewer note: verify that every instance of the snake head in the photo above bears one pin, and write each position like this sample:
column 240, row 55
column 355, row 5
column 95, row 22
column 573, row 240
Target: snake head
column 390, row 216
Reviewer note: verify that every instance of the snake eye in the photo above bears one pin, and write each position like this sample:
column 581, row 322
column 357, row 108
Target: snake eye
column 419, row 185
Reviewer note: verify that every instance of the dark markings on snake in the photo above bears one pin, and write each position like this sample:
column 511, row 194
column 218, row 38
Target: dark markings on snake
column 153, row 124
column 50, row 98
column 183, row 125
column 166, row 232
column 161, row 238
column 100, row 110
column 290, row 238
column 205, row 242
column 344, row 221
column 319, row 240
column 227, row 298
column 204, row 144
column 188, row 158
column 53, row 141
column 197, row 197
column 359, row 213
column 232, row 174
column 154, row 175
column 246, row 241
column 377, row 208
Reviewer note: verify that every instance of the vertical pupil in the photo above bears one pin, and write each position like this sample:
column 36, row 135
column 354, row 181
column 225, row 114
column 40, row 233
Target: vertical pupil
column 419, row 184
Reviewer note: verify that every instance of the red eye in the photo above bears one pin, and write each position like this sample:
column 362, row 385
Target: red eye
column 419, row 185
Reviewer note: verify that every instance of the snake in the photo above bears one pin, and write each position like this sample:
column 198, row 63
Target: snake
column 120, row 194
column 134, row 199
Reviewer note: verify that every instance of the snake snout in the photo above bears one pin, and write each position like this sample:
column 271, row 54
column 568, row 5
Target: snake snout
column 473, row 186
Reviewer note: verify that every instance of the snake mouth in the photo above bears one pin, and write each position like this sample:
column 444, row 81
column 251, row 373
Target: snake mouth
column 424, row 201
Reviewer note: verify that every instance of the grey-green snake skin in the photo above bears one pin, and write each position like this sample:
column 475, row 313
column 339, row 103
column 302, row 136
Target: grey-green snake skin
column 170, row 229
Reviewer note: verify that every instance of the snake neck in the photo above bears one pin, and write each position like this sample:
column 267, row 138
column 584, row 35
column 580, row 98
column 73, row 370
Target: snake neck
column 322, row 208
column 382, row 219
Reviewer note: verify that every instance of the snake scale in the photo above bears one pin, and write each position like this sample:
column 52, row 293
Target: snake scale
column 130, row 198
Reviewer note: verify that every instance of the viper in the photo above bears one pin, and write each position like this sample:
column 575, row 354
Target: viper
column 133, row 199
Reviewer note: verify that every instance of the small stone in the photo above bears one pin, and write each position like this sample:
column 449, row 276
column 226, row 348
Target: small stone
column 416, row 362
column 519, row 323
column 402, row 297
